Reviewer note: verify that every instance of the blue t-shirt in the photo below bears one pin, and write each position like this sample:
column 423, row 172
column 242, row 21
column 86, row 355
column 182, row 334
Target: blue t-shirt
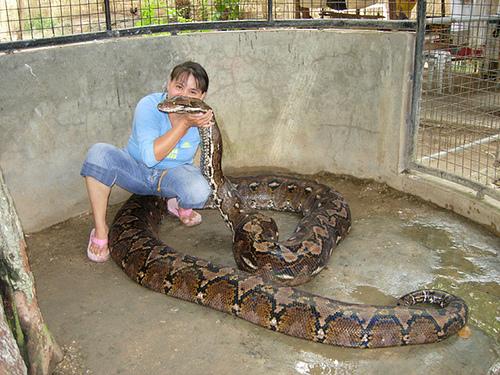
column 150, row 123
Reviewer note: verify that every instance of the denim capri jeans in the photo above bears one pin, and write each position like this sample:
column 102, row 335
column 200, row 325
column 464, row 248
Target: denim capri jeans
column 112, row 165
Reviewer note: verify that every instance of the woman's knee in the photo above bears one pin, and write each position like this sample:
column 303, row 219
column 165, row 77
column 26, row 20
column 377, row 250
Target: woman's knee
column 100, row 163
column 195, row 194
column 100, row 154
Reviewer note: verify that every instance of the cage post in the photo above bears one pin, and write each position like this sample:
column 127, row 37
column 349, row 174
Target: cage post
column 107, row 11
column 418, row 65
column 270, row 10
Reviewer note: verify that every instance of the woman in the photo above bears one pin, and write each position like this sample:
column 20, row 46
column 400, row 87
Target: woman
column 158, row 159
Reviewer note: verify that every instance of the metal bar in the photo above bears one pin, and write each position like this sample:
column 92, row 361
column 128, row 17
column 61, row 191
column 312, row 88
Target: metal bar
column 480, row 189
column 52, row 19
column 401, row 25
column 71, row 16
column 460, row 148
column 22, row 44
column 40, row 14
column 418, row 65
column 270, row 15
column 30, row 18
column 9, row 30
column 80, row 15
column 107, row 12
column 448, row 20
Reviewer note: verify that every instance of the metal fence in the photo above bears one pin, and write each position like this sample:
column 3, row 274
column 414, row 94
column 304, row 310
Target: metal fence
column 459, row 133
column 455, row 114
column 22, row 20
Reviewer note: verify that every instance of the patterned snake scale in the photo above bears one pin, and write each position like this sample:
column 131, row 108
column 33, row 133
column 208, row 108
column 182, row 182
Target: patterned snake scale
column 262, row 292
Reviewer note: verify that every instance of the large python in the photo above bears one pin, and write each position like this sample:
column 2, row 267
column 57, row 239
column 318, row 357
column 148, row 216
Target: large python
column 261, row 293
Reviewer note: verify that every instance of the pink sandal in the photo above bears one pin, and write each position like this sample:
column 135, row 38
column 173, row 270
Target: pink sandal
column 100, row 244
column 188, row 217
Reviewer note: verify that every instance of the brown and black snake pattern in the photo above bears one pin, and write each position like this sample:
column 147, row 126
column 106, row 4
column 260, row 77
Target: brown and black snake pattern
column 262, row 292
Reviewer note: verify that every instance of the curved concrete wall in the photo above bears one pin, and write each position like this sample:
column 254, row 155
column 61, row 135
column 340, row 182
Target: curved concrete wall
column 300, row 100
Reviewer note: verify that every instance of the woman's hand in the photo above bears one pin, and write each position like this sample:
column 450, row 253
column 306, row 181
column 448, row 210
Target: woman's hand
column 187, row 120
column 181, row 122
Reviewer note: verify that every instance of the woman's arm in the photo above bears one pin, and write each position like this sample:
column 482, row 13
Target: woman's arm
column 164, row 144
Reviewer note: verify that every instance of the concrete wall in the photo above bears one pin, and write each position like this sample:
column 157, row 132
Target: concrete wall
column 300, row 100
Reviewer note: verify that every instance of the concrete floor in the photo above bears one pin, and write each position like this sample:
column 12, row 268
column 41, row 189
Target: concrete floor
column 107, row 324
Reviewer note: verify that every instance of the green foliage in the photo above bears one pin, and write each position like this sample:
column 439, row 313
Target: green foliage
column 205, row 11
column 227, row 10
column 14, row 322
column 148, row 16
column 39, row 23
column 156, row 13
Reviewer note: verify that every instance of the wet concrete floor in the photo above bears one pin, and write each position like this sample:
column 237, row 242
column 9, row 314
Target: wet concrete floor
column 107, row 324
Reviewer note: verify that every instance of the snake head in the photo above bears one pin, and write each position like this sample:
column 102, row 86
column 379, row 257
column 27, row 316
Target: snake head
column 183, row 104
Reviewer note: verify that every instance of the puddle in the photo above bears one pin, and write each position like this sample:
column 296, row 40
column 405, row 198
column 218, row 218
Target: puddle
column 468, row 266
column 314, row 364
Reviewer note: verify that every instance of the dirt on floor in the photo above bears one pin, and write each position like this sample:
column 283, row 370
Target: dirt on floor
column 107, row 324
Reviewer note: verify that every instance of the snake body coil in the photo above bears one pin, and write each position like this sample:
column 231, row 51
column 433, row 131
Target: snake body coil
column 262, row 292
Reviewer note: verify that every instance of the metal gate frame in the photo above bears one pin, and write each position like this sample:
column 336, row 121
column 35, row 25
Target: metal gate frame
column 414, row 117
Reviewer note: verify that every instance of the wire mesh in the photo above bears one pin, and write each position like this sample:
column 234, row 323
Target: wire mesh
column 32, row 19
column 35, row 19
column 459, row 130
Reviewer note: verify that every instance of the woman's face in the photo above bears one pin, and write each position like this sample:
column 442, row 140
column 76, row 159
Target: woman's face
column 185, row 85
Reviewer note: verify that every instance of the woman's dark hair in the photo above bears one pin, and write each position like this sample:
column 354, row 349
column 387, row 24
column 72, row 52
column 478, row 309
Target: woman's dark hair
column 194, row 69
